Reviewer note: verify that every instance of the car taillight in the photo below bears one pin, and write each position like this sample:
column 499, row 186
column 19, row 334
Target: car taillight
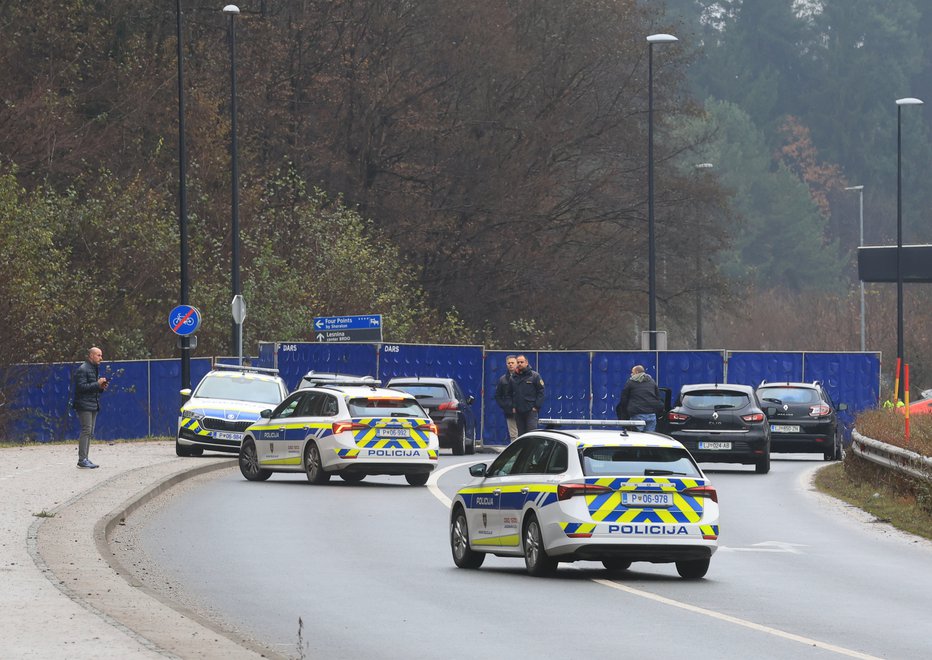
column 449, row 405
column 754, row 417
column 677, row 417
column 430, row 427
column 820, row 410
column 339, row 427
column 702, row 491
column 566, row 491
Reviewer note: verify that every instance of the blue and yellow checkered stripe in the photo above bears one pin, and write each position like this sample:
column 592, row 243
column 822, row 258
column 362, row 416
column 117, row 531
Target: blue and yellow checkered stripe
column 193, row 425
column 368, row 438
column 607, row 507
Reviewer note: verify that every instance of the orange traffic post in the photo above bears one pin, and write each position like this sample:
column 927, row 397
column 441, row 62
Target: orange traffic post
column 906, row 396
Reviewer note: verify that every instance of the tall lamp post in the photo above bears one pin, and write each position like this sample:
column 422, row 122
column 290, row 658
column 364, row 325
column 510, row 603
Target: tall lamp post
column 860, row 190
column 232, row 11
column 900, row 351
column 699, row 166
column 651, row 260
column 182, row 201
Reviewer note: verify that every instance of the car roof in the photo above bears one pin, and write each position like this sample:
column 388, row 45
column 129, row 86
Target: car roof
column 239, row 373
column 363, row 391
column 807, row 386
column 726, row 387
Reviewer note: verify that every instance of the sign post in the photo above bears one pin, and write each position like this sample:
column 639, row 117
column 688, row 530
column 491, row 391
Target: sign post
column 367, row 327
column 238, row 307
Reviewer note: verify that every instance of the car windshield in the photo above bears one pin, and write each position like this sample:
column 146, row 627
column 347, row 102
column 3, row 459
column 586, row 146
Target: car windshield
column 788, row 395
column 658, row 461
column 384, row 407
column 422, row 391
column 714, row 400
column 239, row 388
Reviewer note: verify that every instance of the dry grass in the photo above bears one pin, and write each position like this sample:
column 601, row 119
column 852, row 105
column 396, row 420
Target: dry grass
column 890, row 427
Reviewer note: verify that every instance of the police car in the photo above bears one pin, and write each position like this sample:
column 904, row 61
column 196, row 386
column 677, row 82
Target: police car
column 612, row 495
column 349, row 430
column 224, row 403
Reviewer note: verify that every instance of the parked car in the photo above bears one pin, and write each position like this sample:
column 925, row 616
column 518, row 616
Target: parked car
column 721, row 424
column 803, row 418
column 227, row 400
column 448, row 406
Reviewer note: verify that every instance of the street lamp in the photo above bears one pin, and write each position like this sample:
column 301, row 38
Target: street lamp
column 699, row 166
column 651, row 265
column 860, row 190
column 182, row 201
column 232, row 11
column 899, row 227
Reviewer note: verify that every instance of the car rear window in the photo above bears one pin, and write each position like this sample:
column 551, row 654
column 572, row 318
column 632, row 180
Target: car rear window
column 384, row 407
column 239, row 388
column 715, row 400
column 640, row 461
column 422, row 391
column 788, row 395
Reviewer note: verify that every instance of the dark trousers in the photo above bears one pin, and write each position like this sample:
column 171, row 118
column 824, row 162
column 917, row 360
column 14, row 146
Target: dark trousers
column 526, row 421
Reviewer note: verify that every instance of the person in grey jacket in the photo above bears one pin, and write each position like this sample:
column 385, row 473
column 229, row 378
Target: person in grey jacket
column 640, row 399
column 88, row 384
column 527, row 388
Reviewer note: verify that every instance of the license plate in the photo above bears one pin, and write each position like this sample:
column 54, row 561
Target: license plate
column 647, row 499
column 715, row 445
column 227, row 435
column 394, row 433
column 784, row 428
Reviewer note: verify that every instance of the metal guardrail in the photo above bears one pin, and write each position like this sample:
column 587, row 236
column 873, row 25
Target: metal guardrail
column 892, row 457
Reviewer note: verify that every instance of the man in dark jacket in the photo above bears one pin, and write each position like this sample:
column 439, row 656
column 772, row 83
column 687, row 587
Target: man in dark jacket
column 640, row 399
column 527, row 388
column 88, row 384
column 504, row 398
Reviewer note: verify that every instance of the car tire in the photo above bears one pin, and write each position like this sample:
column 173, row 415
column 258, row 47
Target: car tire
column 249, row 462
column 538, row 562
column 195, row 451
column 693, row 569
column 616, row 564
column 463, row 555
column 417, row 479
column 459, row 445
column 835, row 453
column 763, row 464
column 313, row 467
column 353, row 477
column 471, row 447
column 180, row 449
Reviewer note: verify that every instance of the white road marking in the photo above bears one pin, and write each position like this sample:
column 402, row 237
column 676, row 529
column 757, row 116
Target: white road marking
column 766, row 546
column 736, row 621
column 435, row 477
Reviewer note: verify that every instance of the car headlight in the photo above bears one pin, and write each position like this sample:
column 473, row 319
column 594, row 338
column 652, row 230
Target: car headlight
column 192, row 414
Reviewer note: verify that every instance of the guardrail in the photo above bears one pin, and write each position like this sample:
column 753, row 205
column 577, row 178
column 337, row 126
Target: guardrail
column 892, row 457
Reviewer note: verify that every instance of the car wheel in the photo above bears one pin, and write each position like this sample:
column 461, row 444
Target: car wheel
column 312, row 465
column 249, row 462
column 616, row 564
column 835, row 453
column 418, row 479
column 463, row 555
column 471, row 447
column 763, row 465
column 180, row 449
column 693, row 569
column 459, row 445
column 195, row 451
column 352, row 477
column 538, row 562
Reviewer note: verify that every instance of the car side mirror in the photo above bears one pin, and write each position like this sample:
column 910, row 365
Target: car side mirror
column 470, row 399
column 477, row 470
column 266, row 414
column 186, row 392
column 842, row 406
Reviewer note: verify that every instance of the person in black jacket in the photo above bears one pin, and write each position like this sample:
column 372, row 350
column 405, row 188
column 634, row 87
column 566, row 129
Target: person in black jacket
column 527, row 388
column 640, row 399
column 504, row 398
column 88, row 384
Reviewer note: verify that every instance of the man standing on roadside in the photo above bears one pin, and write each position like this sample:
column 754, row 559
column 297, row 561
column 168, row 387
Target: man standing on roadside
column 640, row 399
column 88, row 384
column 504, row 397
column 527, row 388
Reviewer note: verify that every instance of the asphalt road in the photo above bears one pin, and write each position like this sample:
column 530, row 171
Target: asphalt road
column 366, row 568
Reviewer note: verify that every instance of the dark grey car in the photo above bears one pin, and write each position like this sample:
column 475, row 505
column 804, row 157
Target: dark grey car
column 449, row 408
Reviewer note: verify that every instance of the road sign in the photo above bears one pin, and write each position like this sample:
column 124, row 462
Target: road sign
column 877, row 263
column 367, row 327
column 239, row 309
column 184, row 320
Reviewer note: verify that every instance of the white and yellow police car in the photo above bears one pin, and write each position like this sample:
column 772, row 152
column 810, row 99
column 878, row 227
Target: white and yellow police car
column 349, row 430
column 224, row 403
column 612, row 495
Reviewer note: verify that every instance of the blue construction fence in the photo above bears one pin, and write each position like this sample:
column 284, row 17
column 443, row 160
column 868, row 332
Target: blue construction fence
column 144, row 398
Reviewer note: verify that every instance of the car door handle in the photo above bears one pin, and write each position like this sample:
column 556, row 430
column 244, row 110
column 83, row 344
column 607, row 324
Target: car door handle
column 497, row 491
column 525, row 490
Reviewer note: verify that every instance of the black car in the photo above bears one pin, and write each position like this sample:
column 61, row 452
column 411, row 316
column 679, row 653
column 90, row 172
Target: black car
column 721, row 424
column 802, row 418
column 449, row 408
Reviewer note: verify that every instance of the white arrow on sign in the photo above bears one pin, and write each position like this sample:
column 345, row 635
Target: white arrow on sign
column 768, row 546
column 320, row 336
column 319, row 324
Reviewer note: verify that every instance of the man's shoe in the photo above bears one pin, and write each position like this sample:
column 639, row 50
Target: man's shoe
column 87, row 464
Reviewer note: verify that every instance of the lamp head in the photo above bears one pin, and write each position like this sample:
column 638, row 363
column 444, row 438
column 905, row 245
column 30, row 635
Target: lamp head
column 855, row 188
column 908, row 101
column 661, row 39
column 231, row 9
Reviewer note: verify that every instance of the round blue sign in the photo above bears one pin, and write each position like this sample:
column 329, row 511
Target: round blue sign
column 184, row 320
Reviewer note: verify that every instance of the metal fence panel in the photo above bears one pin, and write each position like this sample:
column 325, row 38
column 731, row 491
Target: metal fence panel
column 851, row 378
column 567, row 387
column 750, row 368
column 610, row 372
column 297, row 358
column 678, row 368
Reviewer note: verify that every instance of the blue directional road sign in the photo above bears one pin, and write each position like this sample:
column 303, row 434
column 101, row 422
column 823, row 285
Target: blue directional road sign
column 184, row 320
column 366, row 327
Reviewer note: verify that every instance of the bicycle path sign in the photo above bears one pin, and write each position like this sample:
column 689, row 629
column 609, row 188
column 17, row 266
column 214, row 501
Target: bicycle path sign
column 184, row 320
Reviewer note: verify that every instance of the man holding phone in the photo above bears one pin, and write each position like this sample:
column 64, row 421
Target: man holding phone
column 88, row 384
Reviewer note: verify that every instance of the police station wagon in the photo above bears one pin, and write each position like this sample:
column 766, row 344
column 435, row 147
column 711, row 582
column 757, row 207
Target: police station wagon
column 351, row 431
column 611, row 495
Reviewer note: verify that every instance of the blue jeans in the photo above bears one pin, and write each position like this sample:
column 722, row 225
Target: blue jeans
column 649, row 419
